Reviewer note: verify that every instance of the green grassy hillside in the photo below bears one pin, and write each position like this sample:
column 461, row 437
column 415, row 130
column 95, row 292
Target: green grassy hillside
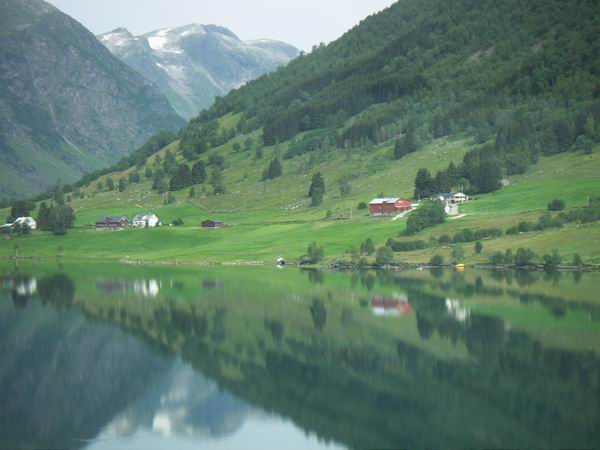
column 275, row 218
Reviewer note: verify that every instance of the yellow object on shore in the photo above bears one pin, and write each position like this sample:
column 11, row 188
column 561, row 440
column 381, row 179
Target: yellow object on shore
column 460, row 266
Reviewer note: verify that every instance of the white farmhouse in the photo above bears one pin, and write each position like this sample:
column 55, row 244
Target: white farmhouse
column 145, row 221
column 29, row 221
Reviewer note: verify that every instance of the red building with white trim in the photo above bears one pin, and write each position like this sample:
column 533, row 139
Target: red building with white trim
column 389, row 206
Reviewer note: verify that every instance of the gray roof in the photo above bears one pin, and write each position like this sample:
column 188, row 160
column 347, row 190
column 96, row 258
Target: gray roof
column 378, row 201
column 111, row 219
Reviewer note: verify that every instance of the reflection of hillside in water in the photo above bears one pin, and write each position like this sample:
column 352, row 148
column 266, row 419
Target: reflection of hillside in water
column 450, row 376
column 67, row 381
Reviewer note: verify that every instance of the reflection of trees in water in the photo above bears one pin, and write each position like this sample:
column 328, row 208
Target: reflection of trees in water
column 276, row 329
column 318, row 313
column 315, row 276
column 458, row 283
column 57, row 290
column 511, row 392
column 212, row 283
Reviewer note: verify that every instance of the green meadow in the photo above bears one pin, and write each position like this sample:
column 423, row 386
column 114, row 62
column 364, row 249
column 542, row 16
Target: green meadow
column 274, row 218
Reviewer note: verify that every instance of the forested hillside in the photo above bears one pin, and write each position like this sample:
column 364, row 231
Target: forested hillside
column 523, row 77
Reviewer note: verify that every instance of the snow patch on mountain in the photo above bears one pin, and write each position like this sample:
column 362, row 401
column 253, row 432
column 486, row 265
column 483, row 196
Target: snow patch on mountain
column 195, row 63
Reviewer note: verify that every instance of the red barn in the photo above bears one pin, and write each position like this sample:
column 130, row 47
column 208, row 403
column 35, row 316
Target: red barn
column 389, row 206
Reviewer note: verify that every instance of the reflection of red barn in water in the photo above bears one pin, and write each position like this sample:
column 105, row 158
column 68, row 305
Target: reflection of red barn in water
column 389, row 306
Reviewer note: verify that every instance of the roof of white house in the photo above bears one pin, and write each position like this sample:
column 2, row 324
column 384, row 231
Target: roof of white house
column 23, row 220
column 460, row 194
column 379, row 201
column 141, row 217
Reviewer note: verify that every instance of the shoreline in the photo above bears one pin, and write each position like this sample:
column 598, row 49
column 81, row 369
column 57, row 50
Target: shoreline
column 340, row 266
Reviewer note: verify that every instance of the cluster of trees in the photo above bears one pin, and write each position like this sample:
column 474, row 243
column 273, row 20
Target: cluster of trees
column 480, row 172
column 274, row 170
column 429, row 214
column 57, row 218
column 525, row 257
column 314, row 254
column 587, row 214
column 406, row 246
column 468, row 235
column 406, row 145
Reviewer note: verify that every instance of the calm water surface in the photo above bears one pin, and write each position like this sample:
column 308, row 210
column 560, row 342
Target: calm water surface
column 109, row 357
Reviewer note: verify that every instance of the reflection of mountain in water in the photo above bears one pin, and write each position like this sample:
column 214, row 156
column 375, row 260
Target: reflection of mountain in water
column 184, row 404
column 457, row 378
column 63, row 377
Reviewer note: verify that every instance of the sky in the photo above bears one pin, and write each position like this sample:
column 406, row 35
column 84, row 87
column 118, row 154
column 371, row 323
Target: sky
column 301, row 23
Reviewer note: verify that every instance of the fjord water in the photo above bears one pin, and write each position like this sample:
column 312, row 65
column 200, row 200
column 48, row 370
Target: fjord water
column 108, row 356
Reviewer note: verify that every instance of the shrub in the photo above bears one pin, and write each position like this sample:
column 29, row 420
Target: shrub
column 509, row 259
column 525, row 257
column 385, row 256
column 465, row 235
column 314, row 254
column 525, row 227
column 367, row 247
column 444, row 239
column 556, row 205
column 436, row 260
column 408, row 246
column 547, row 221
column 552, row 261
column 429, row 214
column 512, row 231
column 487, row 233
column 458, row 254
column 362, row 205
column 478, row 247
column 177, row 222
column 577, row 260
column 497, row 258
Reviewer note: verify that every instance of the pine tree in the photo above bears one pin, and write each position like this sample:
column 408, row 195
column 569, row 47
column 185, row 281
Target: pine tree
column 216, row 180
column 110, row 184
column 181, row 179
column 198, row 173
column 122, row 185
column 273, row 170
column 317, row 189
column 43, row 217
column 192, row 193
column 424, row 184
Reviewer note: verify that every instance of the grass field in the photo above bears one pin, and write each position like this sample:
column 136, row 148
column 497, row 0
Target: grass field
column 273, row 218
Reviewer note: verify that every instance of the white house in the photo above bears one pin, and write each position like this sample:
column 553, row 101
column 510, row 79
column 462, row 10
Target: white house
column 29, row 221
column 451, row 197
column 460, row 198
column 145, row 221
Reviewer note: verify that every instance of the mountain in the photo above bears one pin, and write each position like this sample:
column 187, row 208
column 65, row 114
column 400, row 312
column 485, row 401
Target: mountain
column 67, row 105
column 194, row 64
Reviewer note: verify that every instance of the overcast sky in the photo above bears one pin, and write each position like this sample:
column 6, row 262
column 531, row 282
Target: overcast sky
column 301, row 23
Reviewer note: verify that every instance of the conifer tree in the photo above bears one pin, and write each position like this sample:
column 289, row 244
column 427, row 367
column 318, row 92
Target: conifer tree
column 317, row 189
column 198, row 173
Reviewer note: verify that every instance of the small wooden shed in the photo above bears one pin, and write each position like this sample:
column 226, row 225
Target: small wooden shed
column 212, row 224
